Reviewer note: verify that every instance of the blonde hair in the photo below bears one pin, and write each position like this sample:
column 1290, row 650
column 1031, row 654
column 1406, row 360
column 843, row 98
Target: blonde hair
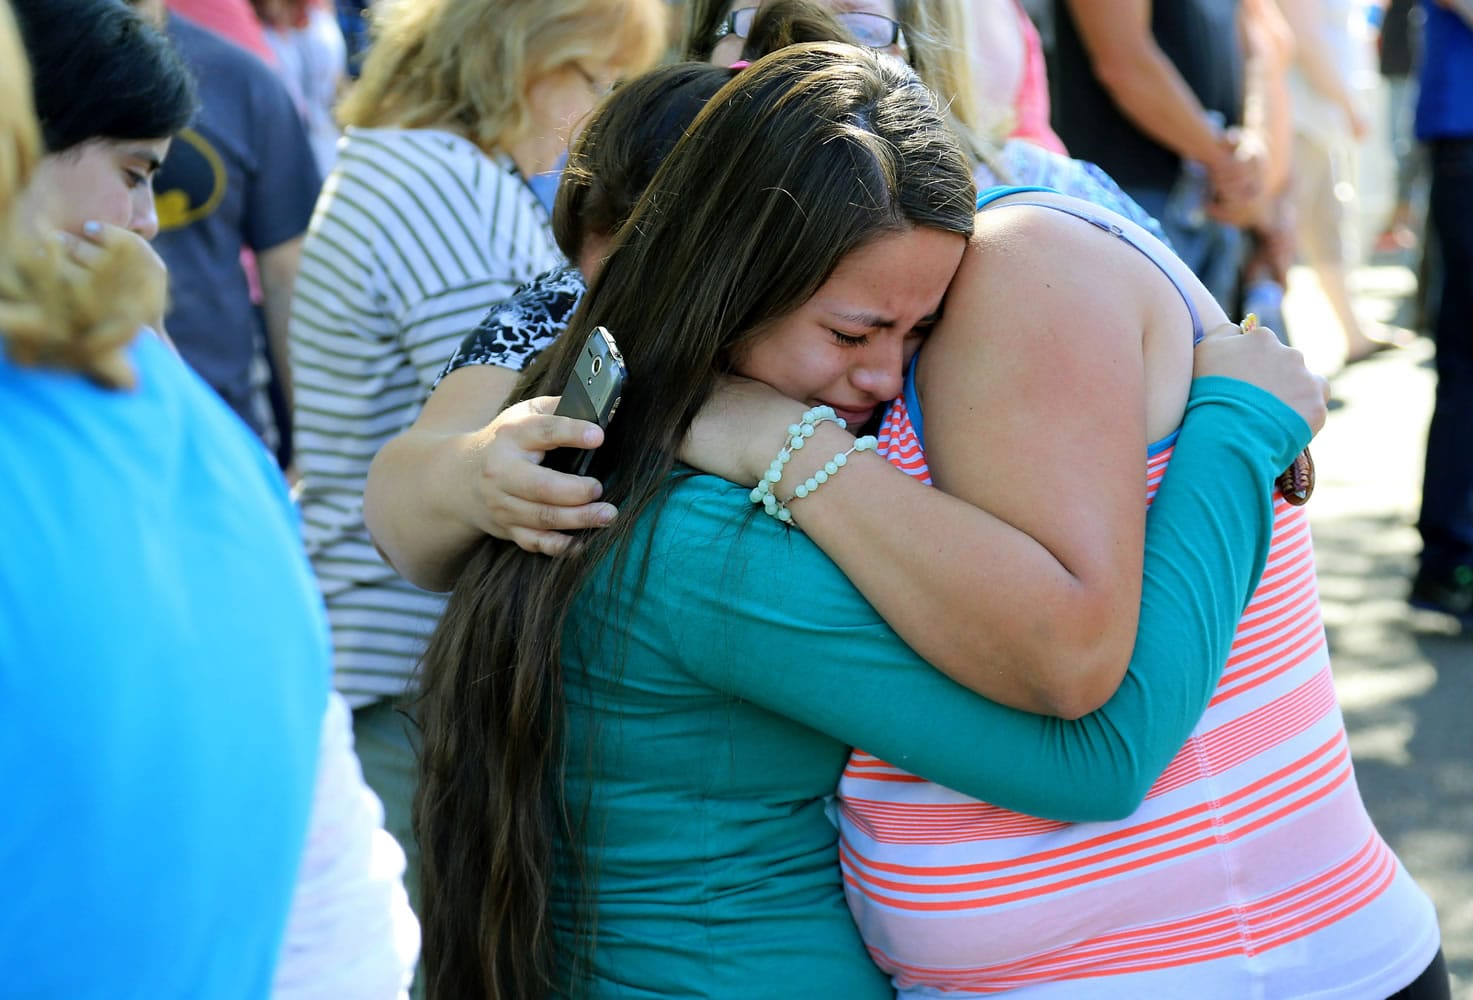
column 467, row 65
column 939, row 35
column 53, row 313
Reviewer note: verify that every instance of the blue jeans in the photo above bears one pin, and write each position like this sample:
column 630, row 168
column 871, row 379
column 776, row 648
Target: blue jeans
column 1212, row 250
column 1446, row 521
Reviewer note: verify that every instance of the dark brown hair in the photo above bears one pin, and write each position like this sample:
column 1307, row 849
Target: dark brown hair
column 801, row 159
column 630, row 134
column 622, row 146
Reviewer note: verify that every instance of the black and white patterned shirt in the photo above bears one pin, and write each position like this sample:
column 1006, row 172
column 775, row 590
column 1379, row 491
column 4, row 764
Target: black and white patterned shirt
column 515, row 330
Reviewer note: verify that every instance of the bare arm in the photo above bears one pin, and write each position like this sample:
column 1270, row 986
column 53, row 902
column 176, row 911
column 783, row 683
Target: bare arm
column 1032, row 601
column 1042, row 425
column 466, row 469
column 1142, row 80
column 278, row 267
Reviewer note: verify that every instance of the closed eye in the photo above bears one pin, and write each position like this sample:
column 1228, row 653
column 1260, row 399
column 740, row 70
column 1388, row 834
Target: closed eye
column 135, row 179
column 844, row 340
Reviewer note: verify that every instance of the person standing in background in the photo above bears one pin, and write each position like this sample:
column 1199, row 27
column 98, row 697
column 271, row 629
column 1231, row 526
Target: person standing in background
column 1153, row 92
column 1444, row 578
column 312, row 60
column 1010, row 71
column 232, row 20
column 242, row 177
column 111, row 93
column 1329, row 122
column 425, row 221
column 1398, row 48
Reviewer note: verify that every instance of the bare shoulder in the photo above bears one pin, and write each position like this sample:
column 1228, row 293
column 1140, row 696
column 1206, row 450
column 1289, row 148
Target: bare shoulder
column 1040, row 263
column 1068, row 246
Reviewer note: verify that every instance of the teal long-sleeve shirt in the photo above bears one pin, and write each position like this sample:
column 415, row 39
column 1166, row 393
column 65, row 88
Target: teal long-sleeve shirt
column 712, row 706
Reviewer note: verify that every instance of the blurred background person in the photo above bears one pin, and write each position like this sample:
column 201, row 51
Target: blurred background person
column 1332, row 62
column 111, row 94
column 1009, row 69
column 426, row 220
column 161, row 650
column 936, row 38
column 1398, row 46
column 1154, row 92
column 230, row 19
column 1269, row 251
column 1444, row 577
column 944, row 38
column 312, row 60
column 242, row 178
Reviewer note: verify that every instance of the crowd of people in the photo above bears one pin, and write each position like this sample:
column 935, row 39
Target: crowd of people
column 852, row 663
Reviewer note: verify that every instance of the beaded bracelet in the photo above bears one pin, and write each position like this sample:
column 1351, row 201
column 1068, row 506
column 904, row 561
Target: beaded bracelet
column 798, row 434
column 762, row 493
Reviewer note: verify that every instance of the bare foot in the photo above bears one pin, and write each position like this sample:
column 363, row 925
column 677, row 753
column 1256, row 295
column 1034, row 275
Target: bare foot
column 1381, row 339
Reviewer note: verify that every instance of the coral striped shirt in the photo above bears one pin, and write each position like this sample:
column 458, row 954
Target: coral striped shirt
column 1251, row 870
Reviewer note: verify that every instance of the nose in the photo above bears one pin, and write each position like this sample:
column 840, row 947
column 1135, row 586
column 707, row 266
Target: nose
column 880, row 373
column 145, row 220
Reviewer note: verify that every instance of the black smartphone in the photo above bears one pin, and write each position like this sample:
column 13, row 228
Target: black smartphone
column 592, row 393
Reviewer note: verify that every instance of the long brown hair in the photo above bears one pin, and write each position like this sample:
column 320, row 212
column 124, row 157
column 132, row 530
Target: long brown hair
column 627, row 138
column 809, row 154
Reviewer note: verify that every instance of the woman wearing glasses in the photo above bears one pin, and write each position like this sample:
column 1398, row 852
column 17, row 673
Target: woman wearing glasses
column 717, row 31
column 932, row 36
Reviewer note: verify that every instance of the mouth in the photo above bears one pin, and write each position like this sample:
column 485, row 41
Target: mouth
column 854, row 418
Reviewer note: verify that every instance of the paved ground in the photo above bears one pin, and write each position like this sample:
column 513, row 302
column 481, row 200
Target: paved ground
column 1405, row 679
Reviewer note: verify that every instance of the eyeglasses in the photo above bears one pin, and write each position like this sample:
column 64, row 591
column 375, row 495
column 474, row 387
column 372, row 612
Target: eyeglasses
column 874, row 31
column 600, row 90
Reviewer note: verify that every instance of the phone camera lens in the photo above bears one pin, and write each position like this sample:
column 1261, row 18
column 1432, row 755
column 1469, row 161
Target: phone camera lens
column 598, row 365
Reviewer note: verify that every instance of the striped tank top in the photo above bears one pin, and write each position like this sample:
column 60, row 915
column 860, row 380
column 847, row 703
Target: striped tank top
column 1251, row 870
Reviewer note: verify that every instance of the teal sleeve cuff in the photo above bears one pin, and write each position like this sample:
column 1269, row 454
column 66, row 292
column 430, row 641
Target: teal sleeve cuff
column 1262, row 412
column 1207, row 541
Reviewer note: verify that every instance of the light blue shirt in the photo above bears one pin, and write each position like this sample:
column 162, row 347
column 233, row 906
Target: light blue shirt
column 164, row 666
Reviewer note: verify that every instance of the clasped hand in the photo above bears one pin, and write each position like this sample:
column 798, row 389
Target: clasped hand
column 514, row 497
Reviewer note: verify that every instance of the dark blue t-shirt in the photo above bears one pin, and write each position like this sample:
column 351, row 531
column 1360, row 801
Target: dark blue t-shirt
column 164, row 665
column 243, row 176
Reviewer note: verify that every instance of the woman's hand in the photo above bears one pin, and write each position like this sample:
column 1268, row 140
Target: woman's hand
column 510, row 494
column 1257, row 357
column 99, row 242
column 740, row 430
